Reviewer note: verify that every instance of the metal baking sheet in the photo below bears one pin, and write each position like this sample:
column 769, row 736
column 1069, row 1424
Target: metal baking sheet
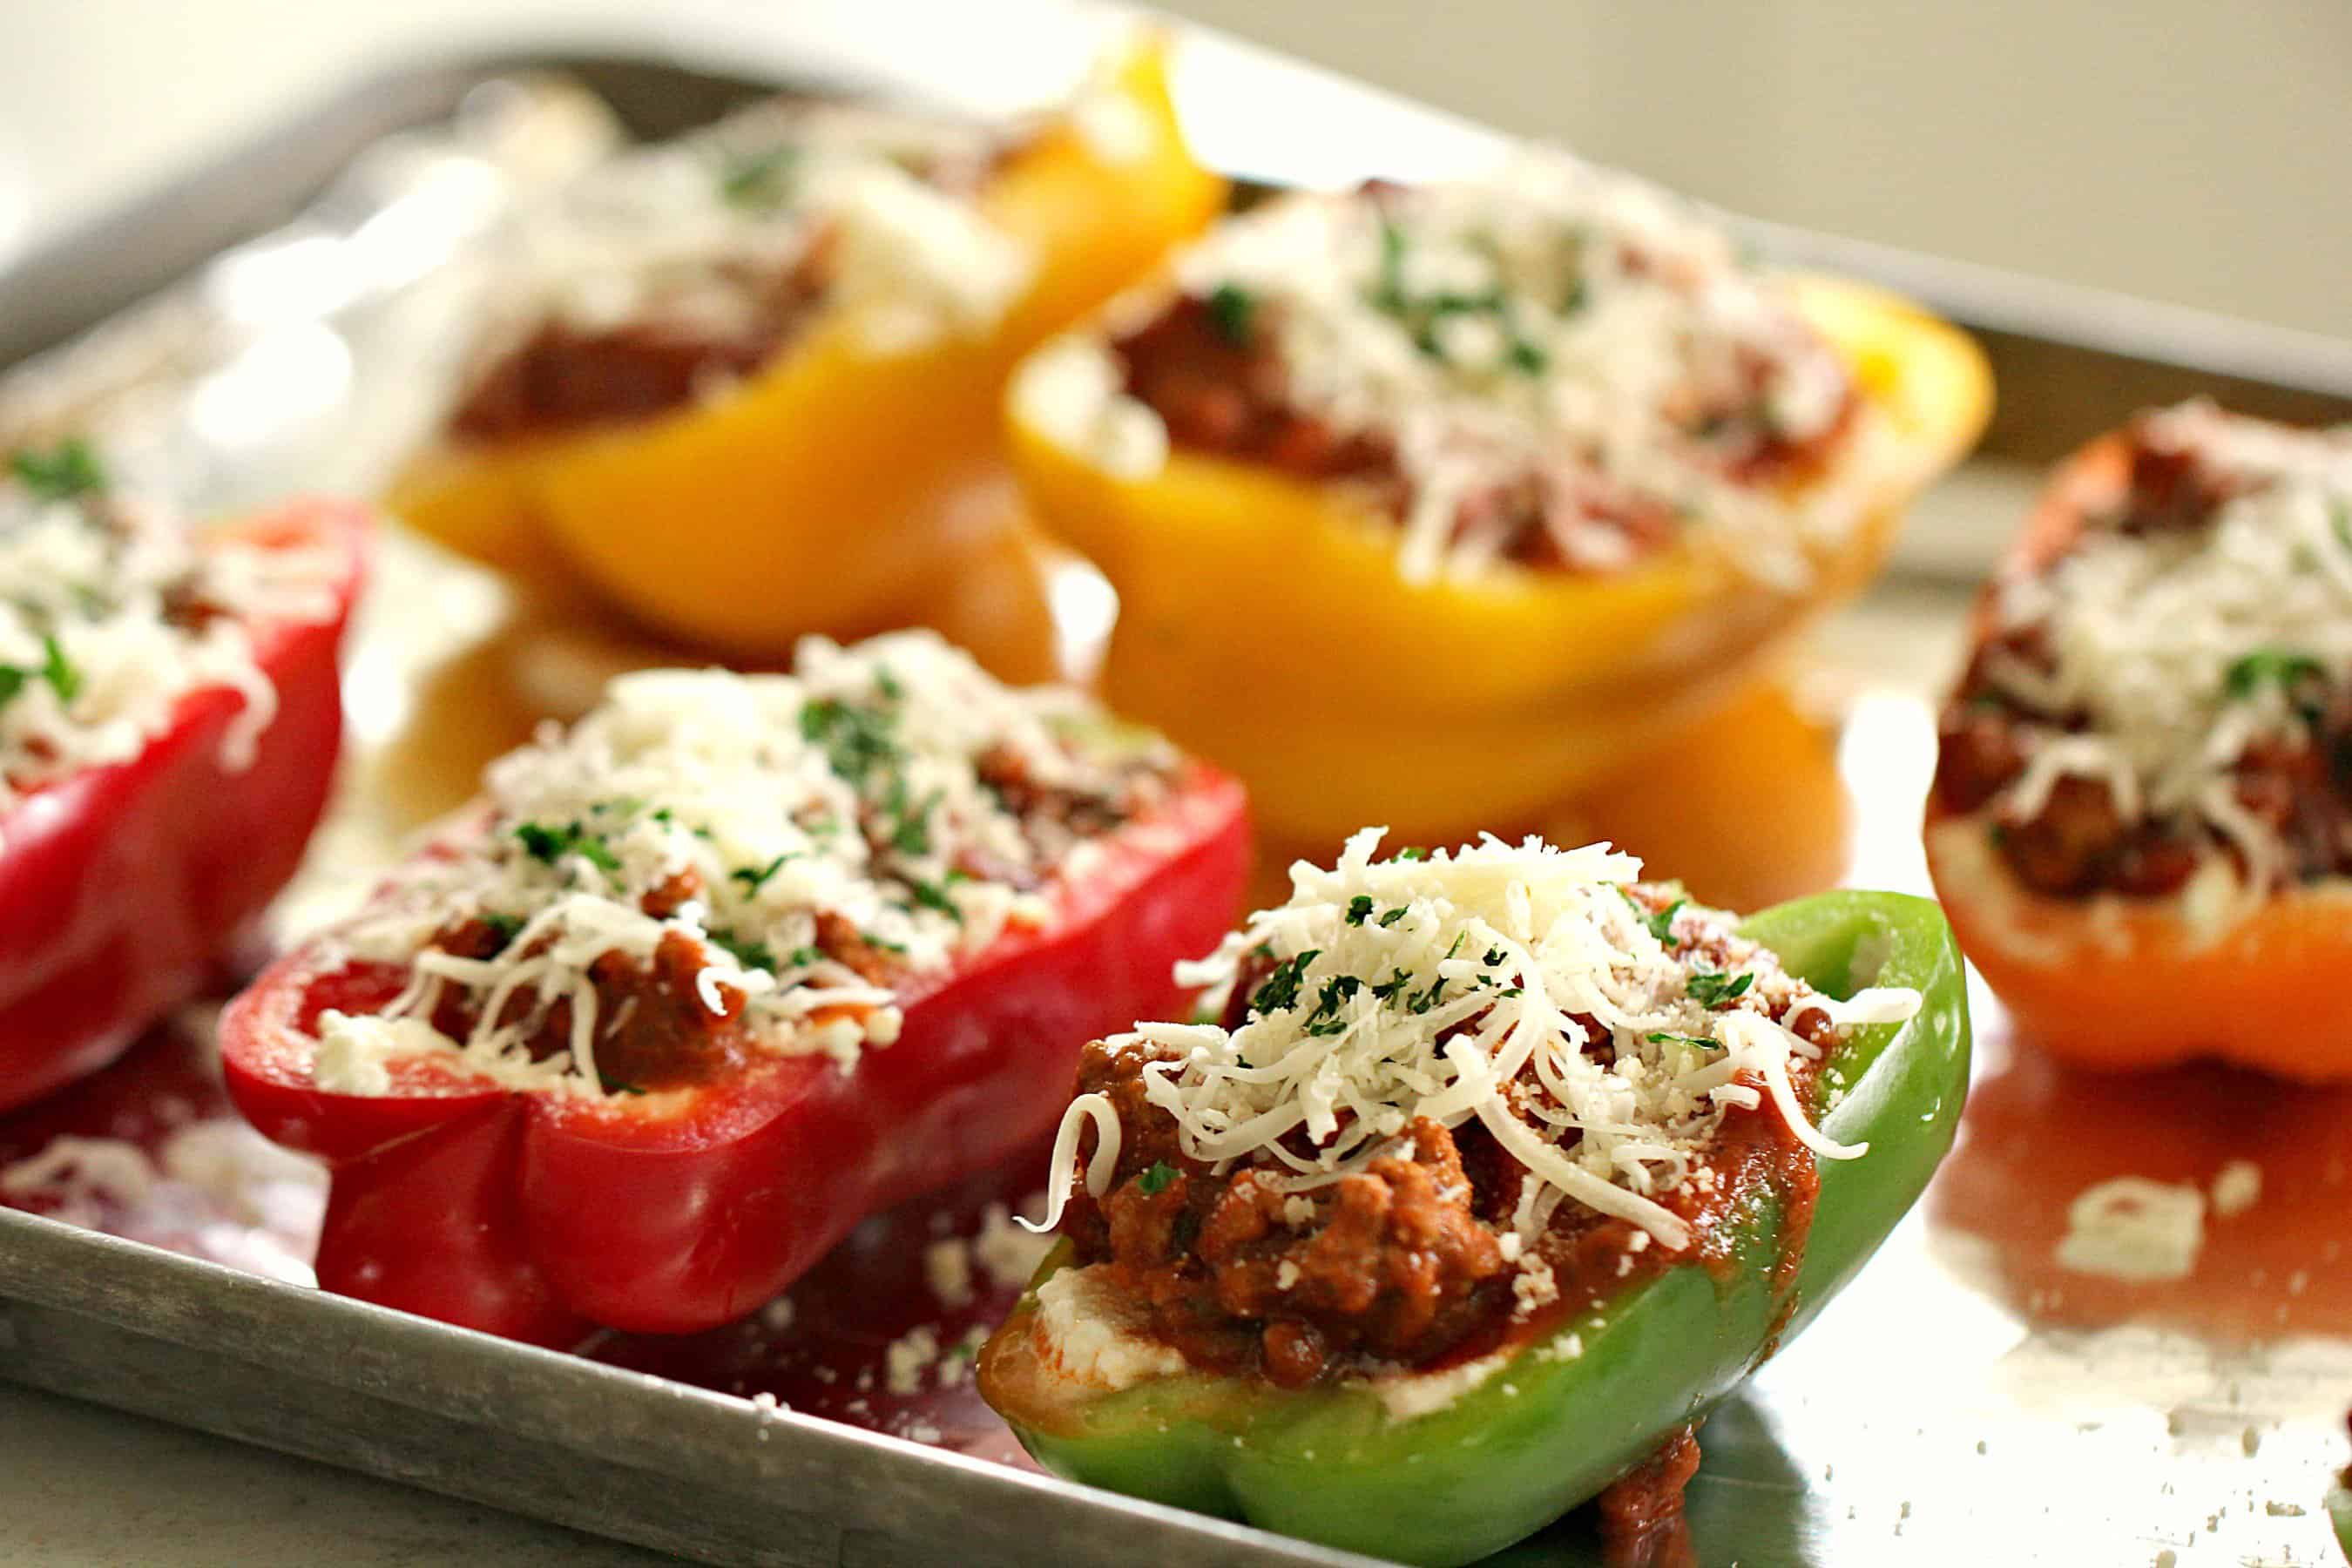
column 1966, row 1398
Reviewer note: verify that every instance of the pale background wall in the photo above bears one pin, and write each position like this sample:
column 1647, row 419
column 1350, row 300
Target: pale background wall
column 2177, row 149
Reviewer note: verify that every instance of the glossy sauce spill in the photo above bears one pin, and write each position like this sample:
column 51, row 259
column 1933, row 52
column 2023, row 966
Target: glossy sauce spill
column 2038, row 1134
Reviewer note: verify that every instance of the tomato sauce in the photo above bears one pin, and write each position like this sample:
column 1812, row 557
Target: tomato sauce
column 2038, row 1134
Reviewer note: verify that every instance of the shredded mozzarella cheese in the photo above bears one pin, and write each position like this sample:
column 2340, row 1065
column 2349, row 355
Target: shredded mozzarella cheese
column 1556, row 324
column 1451, row 988
column 2169, row 654
column 112, row 610
column 698, row 230
column 792, row 827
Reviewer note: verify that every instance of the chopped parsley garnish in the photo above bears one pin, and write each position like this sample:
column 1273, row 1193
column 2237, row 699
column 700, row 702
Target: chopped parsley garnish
column 69, row 469
column 668, row 819
column 1280, row 989
column 1412, row 852
column 1662, row 924
column 1336, row 993
column 759, row 181
column 57, row 670
column 505, row 927
column 913, row 834
column 2281, row 667
column 749, row 953
column 1360, row 909
column 1232, row 309
column 1715, row 990
column 1422, row 1001
column 1494, row 955
column 910, row 830
column 1681, row 1041
column 1397, row 981
column 1419, row 315
column 1156, row 1178
column 1389, row 292
column 930, row 896
column 754, row 879
column 549, row 845
column 1390, row 916
column 857, row 741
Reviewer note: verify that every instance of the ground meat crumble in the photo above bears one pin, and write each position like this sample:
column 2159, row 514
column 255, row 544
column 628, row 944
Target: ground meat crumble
column 1412, row 1262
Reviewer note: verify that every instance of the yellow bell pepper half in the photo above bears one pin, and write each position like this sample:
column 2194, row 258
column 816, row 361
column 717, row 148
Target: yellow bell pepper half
column 1262, row 622
column 830, row 491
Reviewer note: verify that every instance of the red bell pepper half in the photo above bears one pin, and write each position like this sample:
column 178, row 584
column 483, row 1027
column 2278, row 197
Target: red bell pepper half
column 122, row 886
column 539, row 1216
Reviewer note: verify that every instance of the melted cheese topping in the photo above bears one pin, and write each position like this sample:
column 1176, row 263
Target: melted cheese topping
column 866, row 791
column 112, row 610
column 1088, row 1331
column 2180, row 649
column 1559, row 324
column 1451, row 987
column 693, row 231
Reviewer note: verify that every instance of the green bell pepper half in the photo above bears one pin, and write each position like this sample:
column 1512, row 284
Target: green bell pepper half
column 1553, row 1426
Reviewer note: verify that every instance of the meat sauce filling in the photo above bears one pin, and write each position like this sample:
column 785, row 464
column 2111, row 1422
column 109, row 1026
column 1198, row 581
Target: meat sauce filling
column 1211, row 367
column 711, row 867
column 2081, row 841
column 662, row 1025
column 1405, row 1264
column 564, row 374
column 112, row 608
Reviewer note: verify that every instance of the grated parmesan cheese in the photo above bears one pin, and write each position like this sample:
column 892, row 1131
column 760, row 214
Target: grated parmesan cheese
column 214, row 1188
column 790, row 827
column 2237, row 1187
column 2134, row 1228
column 113, row 610
column 909, row 1357
column 2166, row 656
column 947, row 1268
column 1008, row 1253
column 1451, row 987
column 1555, row 324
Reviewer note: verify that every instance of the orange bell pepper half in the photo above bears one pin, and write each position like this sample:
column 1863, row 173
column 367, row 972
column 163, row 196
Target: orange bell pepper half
column 2116, row 982
column 1450, row 706
column 831, row 489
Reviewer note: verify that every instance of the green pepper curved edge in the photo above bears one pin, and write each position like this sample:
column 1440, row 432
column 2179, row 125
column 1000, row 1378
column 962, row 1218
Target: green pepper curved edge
column 1547, row 1430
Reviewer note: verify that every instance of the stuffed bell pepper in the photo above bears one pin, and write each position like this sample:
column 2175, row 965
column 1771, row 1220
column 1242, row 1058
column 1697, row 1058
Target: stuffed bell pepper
column 2142, row 816
column 1497, row 1169
column 748, row 384
column 170, row 714
column 736, row 961
column 1478, row 489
